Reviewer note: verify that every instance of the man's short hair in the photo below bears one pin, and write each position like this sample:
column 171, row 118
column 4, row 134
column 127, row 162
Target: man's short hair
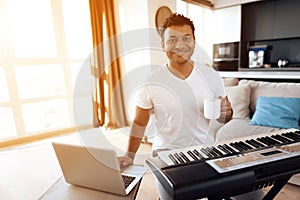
column 175, row 20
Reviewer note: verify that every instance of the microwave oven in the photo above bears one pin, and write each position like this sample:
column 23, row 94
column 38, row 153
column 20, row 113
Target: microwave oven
column 226, row 56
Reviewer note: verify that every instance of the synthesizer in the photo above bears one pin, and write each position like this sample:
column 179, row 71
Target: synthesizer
column 229, row 168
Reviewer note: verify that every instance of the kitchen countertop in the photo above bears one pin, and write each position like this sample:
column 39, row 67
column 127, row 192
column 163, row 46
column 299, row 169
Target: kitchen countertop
column 288, row 75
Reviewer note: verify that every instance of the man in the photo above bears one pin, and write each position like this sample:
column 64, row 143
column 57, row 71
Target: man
column 175, row 93
column 171, row 88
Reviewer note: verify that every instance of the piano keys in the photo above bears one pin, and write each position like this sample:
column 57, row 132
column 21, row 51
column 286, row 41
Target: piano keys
column 230, row 147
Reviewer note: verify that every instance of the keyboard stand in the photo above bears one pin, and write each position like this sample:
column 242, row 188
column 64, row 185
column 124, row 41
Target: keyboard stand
column 270, row 195
column 278, row 185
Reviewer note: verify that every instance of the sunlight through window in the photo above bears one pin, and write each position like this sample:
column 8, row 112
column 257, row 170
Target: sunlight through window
column 40, row 81
column 46, row 44
column 32, row 28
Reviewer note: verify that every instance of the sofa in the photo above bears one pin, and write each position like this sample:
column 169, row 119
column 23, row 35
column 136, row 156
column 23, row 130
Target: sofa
column 260, row 107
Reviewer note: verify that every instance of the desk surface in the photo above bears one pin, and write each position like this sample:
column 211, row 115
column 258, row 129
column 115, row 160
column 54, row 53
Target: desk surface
column 61, row 190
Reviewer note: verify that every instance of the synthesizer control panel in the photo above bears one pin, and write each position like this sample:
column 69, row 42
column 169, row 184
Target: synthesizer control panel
column 254, row 158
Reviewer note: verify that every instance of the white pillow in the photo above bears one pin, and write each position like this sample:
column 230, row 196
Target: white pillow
column 270, row 89
column 239, row 97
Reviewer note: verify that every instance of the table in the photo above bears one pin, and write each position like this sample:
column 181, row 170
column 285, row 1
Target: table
column 61, row 190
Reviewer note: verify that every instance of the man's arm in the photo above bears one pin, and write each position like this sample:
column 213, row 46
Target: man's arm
column 136, row 134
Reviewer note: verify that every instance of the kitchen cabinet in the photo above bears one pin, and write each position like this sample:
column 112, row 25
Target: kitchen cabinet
column 226, row 3
column 287, row 15
column 274, row 19
column 258, row 21
column 227, row 25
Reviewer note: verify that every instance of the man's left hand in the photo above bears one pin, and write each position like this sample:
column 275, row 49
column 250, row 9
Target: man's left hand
column 226, row 110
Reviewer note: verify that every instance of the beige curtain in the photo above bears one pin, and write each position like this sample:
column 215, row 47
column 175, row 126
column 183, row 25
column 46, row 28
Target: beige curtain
column 109, row 107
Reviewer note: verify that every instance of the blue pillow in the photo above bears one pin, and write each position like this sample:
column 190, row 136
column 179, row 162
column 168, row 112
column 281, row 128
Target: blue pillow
column 280, row 112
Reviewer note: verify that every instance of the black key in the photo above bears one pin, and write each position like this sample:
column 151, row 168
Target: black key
column 210, row 150
column 271, row 142
column 275, row 142
column 258, row 143
column 241, row 146
column 254, row 144
column 184, row 157
column 224, row 149
column 282, row 139
column 229, row 148
column 295, row 135
column 198, row 154
column 173, row 159
column 286, row 138
column 262, row 140
column 245, row 145
column 233, row 145
column 236, row 146
column 192, row 155
column 178, row 158
column 217, row 151
column 290, row 137
column 297, row 132
column 206, row 153
column 277, row 139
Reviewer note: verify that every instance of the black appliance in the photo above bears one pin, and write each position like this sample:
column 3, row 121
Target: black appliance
column 226, row 56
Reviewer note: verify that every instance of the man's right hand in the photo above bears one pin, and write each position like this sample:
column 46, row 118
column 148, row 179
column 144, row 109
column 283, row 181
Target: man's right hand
column 125, row 161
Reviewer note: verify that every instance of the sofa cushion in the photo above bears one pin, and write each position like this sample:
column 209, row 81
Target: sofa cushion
column 281, row 112
column 274, row 89
column 237, row 128
column 239, row 97
column 230, row 81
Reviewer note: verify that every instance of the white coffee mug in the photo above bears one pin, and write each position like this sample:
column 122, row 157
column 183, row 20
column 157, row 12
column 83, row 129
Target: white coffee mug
column 212, row 108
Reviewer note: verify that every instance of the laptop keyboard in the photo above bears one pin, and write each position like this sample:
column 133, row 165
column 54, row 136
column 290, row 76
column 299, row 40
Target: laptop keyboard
column 127, row 180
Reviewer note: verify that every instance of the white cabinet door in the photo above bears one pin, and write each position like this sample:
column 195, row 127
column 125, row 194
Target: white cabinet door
column 225, row 3
column 227, row 24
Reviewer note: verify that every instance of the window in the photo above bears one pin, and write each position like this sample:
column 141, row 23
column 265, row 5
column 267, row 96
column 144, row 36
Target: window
column 44, row 44
column 202, row 18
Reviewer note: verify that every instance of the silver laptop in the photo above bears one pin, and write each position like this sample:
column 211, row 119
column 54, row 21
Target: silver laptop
column 96, row 168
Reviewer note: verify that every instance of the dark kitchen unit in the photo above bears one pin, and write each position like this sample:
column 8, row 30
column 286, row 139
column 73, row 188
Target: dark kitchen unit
column 226, row 56
column 273, row 24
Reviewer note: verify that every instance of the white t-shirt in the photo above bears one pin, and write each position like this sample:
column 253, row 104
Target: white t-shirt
column 178, row 105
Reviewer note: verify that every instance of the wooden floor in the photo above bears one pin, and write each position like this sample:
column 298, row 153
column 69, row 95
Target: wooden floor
column 28, row 171
column 289, row 192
